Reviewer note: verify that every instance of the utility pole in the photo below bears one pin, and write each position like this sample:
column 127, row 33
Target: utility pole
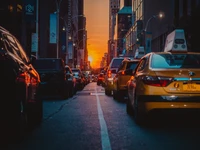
column 57, row 26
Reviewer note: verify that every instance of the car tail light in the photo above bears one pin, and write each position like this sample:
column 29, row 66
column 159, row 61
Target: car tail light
column 157, row 81
column 21, row 77
column 109, row 73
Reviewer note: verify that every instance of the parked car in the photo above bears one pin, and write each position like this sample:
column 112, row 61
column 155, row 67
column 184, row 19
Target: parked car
column 121, row 78
column 53, row 76
column 79, row 78
column 110, row 73
column 100, row 79
column 21, row 106
column 71, row 81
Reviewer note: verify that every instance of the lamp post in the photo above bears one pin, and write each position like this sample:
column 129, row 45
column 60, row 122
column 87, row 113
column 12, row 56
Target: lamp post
column 76, row 50
column 160, row 15
column 57, row 26
column 67, row 34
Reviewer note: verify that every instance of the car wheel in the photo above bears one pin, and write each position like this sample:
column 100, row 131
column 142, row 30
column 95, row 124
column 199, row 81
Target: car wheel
column 71, row 93
column 107, row 92
column 129, row 108
column 118, row 95
column 65, row 92
column 138, row 115
column 114, row 94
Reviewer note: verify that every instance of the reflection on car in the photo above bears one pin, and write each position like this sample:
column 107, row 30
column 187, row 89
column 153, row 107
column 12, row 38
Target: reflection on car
column 20, row 83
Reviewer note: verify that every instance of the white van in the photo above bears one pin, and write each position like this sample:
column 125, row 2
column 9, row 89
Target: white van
column 139, row 53
column 175, row 41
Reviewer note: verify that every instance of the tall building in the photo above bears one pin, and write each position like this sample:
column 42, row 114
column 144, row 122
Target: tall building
column 123, row 24
column 113, row 9
column 186, row 13
column 148, row 29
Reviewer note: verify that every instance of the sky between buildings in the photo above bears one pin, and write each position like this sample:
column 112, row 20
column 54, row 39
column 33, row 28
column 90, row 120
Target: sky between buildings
column 97, row 12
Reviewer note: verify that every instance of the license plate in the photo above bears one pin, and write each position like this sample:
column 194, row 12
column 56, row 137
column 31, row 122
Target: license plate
column 191, row 87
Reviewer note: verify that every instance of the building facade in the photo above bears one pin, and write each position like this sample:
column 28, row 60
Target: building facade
column 151, row 31
column 113, row 9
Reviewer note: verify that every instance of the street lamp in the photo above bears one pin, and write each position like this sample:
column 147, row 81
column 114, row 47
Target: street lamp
column 68, row 37
column 160, row 15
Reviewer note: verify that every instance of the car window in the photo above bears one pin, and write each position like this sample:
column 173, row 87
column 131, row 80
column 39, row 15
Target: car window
column 131, row 65
column 100, row 75
column 13, row 47
column 174, row 61
column 116, row 63
column 142, row 64
column 47, row 64
column 22, row 52
column 68, row 70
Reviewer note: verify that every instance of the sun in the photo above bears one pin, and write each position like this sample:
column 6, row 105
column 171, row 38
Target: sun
column 90, row 59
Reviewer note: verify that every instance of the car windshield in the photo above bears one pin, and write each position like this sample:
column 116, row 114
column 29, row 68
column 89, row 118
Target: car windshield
column 174, row 61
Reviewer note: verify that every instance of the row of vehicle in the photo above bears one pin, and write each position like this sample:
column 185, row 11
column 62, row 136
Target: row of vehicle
column 166, row 81
column 24, row 81
column 58, row 78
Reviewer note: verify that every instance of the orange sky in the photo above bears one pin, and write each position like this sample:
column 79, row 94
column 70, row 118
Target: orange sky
column 96, row 12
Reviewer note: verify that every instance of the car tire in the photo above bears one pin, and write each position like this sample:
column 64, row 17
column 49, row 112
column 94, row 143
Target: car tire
column 114, row 95
column 129, row 108
column 107, row 92
column 71, row 93
column 65, row 91
column 139, row 117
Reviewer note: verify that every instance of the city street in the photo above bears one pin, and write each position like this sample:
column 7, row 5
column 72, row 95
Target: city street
column 92, row 120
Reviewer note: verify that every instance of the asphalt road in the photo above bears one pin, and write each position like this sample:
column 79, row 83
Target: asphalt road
column 93, row 121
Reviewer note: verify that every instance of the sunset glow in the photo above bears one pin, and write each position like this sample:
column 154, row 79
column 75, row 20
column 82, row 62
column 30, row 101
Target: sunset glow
column 97, row 29
column 90, row 59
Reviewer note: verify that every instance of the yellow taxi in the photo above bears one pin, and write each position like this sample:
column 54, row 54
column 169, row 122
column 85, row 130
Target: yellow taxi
column 164, row 81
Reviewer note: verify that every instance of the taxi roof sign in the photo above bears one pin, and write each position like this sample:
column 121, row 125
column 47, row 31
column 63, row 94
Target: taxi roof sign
column 175, row 41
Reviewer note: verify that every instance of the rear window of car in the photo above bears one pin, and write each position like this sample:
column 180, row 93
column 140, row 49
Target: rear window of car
column 174, row 61
column 100, row 75
column 131, row 65
column 47, row 64
column 116, row 63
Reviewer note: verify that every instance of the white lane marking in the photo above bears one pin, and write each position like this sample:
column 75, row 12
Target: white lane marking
column 105, row 141
column 97, row 93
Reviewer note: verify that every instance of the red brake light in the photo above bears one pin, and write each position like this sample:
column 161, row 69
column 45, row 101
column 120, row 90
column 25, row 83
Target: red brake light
column 21, row 77
column 109, row 73
column 157, row 81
